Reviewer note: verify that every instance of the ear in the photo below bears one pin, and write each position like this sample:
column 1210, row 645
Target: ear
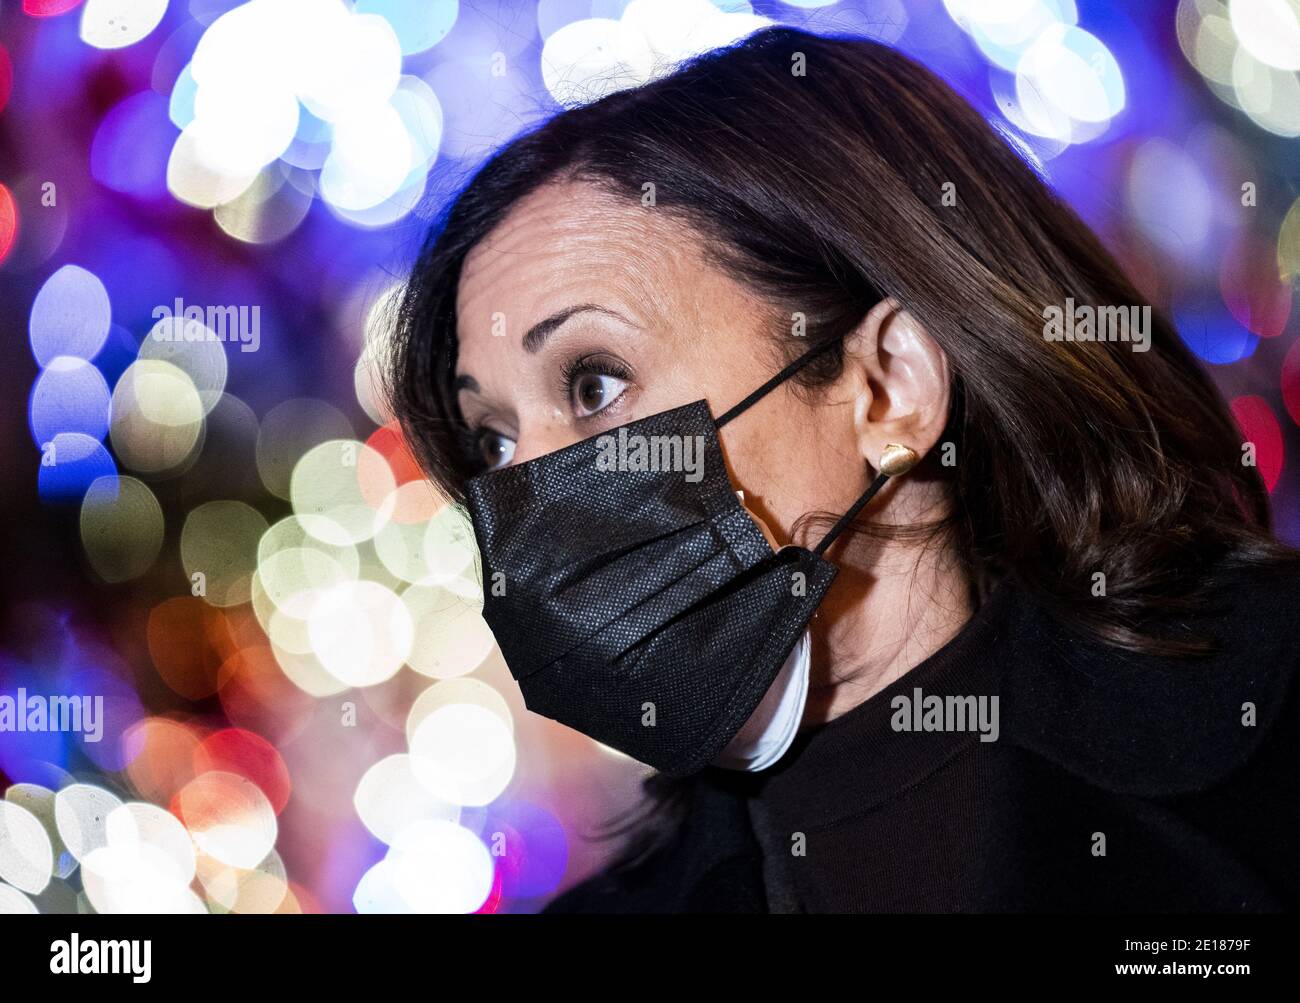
column 902, row 382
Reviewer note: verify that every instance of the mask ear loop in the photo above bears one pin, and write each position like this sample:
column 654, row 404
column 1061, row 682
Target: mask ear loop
column 850, row 515
column 775, row 381
column 895, row 460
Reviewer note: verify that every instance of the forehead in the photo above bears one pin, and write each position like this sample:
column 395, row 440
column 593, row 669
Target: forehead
column 569, row 240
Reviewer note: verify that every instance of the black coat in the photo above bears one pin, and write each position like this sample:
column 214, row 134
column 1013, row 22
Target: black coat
column 1201, row 810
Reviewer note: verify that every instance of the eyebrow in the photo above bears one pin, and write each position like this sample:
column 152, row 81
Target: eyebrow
column 536, row 335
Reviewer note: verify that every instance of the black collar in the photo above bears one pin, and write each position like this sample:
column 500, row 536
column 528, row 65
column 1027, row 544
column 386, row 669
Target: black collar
column 1144, row 726
column 882, row 746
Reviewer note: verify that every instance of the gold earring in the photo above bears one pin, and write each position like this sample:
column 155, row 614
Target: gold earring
column 897, row 459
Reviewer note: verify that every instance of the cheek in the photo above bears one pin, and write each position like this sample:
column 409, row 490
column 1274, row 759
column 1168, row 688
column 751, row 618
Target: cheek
column 793, row 460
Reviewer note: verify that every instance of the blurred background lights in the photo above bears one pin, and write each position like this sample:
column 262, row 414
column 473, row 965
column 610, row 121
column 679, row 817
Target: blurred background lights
column 450, row 551
column 70, row 315
column 180, row 105
column 286, row 589
column 257, row 696
column 70, row 463
column 1248, row 52
column 1212, row 332
column 219, row 550
column 451, row 638
column 419, row 24
column 26, row 856
column 305, row 671
column 400, row 542
column 15, row 903
column 462, row 690
column 6, row 80
column 81, row 814
column 1073, row 72
column 242, row 125
column 333, row 480
column 114, row 24
column 370, row 158
column 1004, row 29
column 121, row 528
column 157, row 417
column 289, row 430
column 69, row 395
column 249, row 755
column 163, row 761
column 1269, row 30
column 585, row 60
column 368, row 386
column 260, row 890
column 189, row 642
column 269, row 209
column 1288, row 244
column 463, row 753
column 300, row 568
column 228, row 817
column 194, row 349
column 1068, row 83
column 351, row 64
column 138, row 823
column 361, row 632
column 1260, row 427
column 1270, row 97
column 390, row 796
column 40, row 802
column 196, row 182
column 421, row 114
column 266, row 69
column 389, row 443
column 377, row 893
column 1207, row 38
column 120, row 157
column 1170, row 199
column 8, row 222
column 484, row 102
column 1251, row 289
column 433, row 866
column 136, row 877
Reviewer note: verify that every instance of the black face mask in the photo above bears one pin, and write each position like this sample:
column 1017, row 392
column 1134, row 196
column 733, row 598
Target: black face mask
column 632, row 596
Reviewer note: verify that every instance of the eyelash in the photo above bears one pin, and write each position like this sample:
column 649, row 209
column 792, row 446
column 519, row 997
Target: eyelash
column 584, row 365
column 589, row 365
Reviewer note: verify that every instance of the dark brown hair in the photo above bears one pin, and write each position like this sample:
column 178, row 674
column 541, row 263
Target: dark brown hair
column 819, row 189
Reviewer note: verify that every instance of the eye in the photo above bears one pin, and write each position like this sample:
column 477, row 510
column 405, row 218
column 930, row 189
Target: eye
column 592, row 393
column 494, row 449
column 593, row 383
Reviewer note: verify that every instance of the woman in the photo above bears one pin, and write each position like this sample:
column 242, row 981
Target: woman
column 1000, row 625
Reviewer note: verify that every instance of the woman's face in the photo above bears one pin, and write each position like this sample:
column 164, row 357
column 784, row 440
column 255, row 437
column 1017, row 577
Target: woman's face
column 581, row 312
